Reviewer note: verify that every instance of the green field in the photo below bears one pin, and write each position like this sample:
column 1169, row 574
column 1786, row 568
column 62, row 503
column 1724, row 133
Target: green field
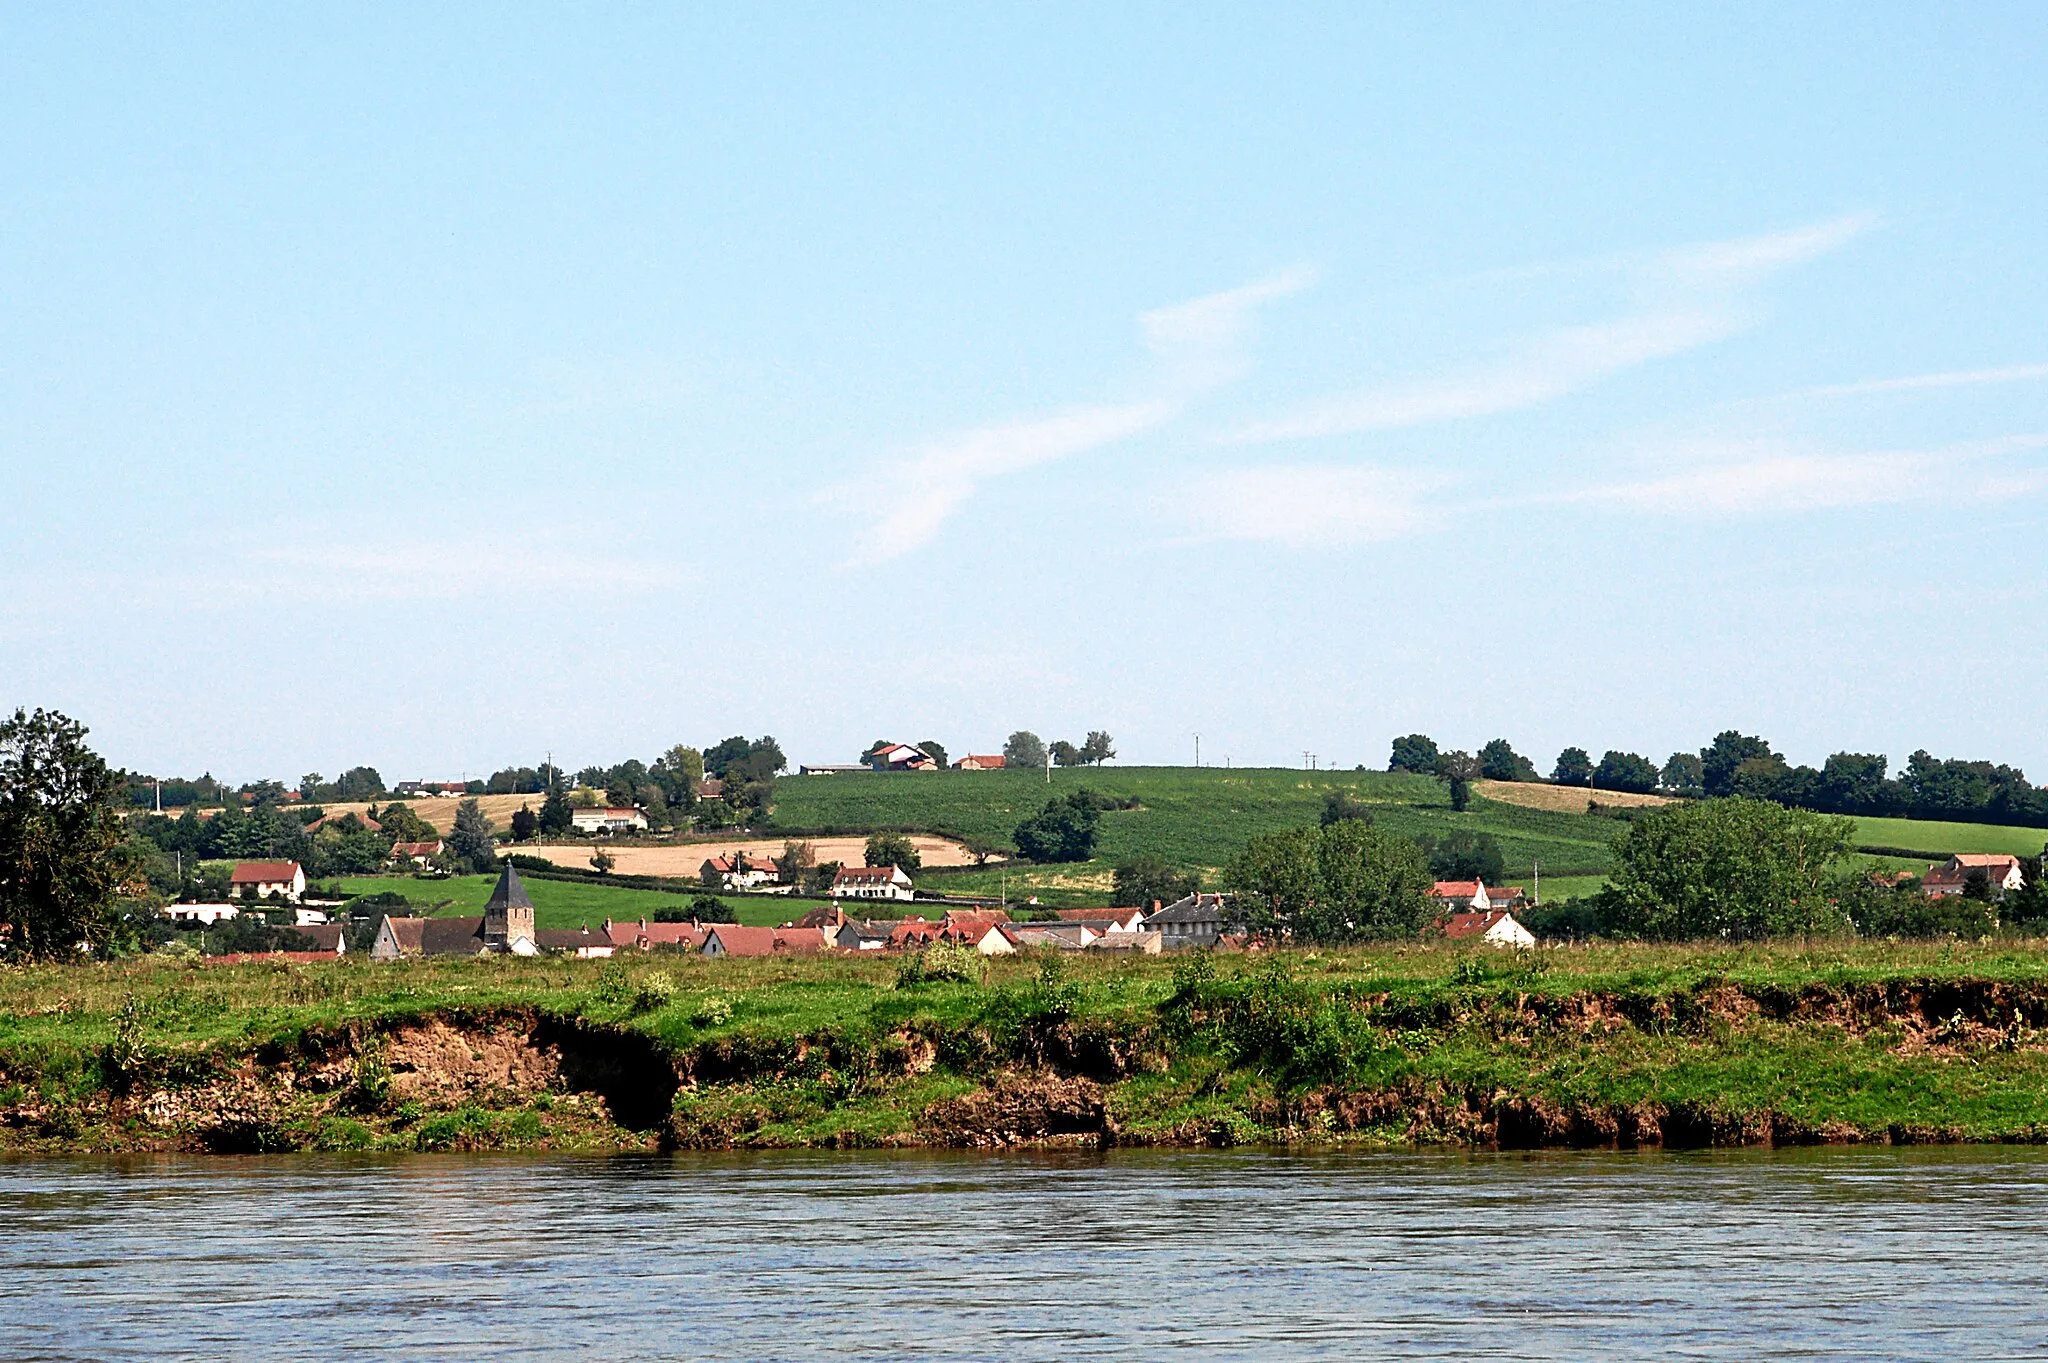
column 1193, row 818
column 1926, row 835
column 563, row 903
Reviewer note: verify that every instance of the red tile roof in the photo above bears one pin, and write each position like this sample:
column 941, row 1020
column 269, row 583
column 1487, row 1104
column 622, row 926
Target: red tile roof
column 860, row 873
column 744, row 941
column 1473, row 924
column 263, row 872
column 1456, row 889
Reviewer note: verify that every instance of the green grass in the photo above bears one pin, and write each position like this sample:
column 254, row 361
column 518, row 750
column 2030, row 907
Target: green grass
column 1832, row 1040
column 1193, row 818
column 1927, row 835
column 566, row 904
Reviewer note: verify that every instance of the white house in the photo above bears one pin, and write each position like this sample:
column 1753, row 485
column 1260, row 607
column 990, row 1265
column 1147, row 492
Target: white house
column 1496, row 927
column 208, row 914
column 1461, row 896
column 737, row 871
column 2001, row 874
column 872, row 882
column 268, row 879
column 607, row 820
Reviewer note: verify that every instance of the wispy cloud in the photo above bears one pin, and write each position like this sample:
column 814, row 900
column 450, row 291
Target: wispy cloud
column 1961, row 378
column 1748, row 478
column 1309, row 506
column 1196, row 346
column 1689, row 297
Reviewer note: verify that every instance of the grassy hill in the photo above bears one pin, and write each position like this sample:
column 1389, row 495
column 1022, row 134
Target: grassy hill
column 1926, row 835
column 1192, row 818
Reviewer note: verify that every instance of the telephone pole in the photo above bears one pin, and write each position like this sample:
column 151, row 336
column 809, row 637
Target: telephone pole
column 1198, row 752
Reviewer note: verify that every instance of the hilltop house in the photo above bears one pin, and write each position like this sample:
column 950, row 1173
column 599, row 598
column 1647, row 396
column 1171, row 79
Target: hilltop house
column 980, row 762
column 268, row 879
column 872, row 882
column 620, row 820
column 901, row 757
column 438, row 789
column 2001, row 873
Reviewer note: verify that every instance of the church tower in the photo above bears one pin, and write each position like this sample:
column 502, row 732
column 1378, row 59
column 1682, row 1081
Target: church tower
column 508, row 917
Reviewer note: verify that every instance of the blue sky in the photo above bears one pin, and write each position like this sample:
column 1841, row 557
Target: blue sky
column 437, row 390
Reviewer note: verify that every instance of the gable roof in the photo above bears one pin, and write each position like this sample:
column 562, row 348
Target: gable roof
column 1988, row 861
column 736, row 940
column 263, row 872
column 1457, row 889
column 415, row 849
column 437, row 936
column 644, row 934
column 981, row 760
column 867, row 873
column 569, row 939
column 1195, row 908
column 1473, row 924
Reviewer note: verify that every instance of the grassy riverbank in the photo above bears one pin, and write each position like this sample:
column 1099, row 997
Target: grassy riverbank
column 1612, row 1045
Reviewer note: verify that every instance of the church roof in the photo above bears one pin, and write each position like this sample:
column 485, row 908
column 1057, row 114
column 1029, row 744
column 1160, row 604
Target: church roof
column 509, row 894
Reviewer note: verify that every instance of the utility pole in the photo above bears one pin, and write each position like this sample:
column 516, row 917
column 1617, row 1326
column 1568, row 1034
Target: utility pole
column 1198, row 752
column 160, row 795
column 1536, row 867
column 1048, row 766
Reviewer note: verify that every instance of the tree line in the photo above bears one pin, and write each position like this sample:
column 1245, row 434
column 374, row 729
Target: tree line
column 1735, row 763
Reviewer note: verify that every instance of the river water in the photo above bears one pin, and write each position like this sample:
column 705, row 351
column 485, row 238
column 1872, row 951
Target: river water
column 1831, row 1253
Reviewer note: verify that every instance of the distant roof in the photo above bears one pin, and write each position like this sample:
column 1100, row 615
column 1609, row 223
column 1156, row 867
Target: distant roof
column 1473, row 924
column 437, row 936
column 568, row 939
column 867, row 873
column 744, row 941
column 1196, row 908
column 1971, row 861
column 981, row 760
column 1457, row 889
column 510, row 893
column 263, row 872
column 414, row 849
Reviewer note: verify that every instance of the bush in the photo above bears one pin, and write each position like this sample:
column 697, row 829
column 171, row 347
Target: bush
column 1729, row 868
column 1065, row 830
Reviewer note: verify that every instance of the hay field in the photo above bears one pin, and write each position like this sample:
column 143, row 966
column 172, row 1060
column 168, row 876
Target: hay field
column 684, row 859
column 440, row 812
column 1560, row 799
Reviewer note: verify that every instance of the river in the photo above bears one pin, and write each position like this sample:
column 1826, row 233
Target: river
column 1821, row 1253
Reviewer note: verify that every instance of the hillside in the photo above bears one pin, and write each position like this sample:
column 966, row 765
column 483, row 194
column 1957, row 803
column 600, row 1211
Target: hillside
column 1194, row 818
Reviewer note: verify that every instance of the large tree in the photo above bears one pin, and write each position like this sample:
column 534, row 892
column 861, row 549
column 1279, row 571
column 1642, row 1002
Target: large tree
column 1065, row 754
column 557, row 815
column 1498, row 761
column 1098, row 748
column 1063, row 831
column 470, row 842
column 934, row 749
column 1349, row 882
column 891, row 849
column 1726, row 869
column 59, row 874
column 1416, row 753
column 1729, row 750
column 1142, row 881
column 1625, row 771
column 1023, row 749
column 1574, row 768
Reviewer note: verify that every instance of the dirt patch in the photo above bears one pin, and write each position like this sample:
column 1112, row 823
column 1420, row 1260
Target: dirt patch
column 1019, row 1110
column 1562, row 799
column 687, row 859
column 443, row 1065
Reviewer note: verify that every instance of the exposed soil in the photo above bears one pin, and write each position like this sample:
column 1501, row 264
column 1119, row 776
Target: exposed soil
column 1562, row 799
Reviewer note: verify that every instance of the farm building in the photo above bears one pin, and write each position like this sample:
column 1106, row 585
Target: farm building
column 207, row 914
column 615, row 820
column 2001, row 873
column 980, row 762
column 872, row 882
column 646, row 936
column 900, row 757
column 269, row 879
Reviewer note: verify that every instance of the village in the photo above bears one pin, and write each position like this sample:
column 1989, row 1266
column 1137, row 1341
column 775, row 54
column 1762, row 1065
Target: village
column 1466, row 910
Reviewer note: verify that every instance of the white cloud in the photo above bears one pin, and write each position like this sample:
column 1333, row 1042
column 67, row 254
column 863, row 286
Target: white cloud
column 1963, row 378
column 1196, row 347
column 1692, row 296
column 1308, row 506
column 1552, row 366
column 1737, row 479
